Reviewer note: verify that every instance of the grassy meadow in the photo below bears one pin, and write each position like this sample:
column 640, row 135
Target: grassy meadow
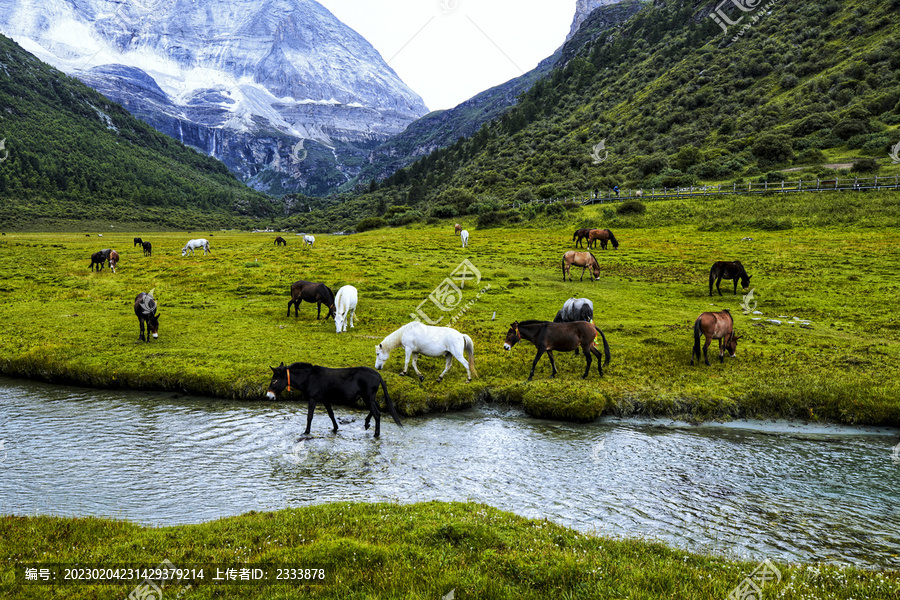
column 830, row 259
column 418, row 551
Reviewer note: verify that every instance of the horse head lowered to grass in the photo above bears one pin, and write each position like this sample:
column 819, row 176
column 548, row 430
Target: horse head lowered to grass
column 145, row 309
column 338, row 386
column 564, row 337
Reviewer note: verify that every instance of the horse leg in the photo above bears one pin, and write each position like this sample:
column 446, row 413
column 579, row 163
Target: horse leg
column 449, row 361
column 536, row 359
column 553, row 371
column 596, row 352
column 309, row 414
column 587, row 367
column 706, row 343
column 319, row 311
column 721, row 350
column 462, row 359
column 141, row 337
column 582, row 273
column 331, row 414
column 415, row 365
column 735, row 285
column 718, row 282
column 352, row 315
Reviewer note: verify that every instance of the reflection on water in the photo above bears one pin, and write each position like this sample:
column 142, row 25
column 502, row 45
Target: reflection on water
column 788, row 493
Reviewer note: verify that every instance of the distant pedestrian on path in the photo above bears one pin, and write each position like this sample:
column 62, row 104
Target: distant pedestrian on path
column 616, row 190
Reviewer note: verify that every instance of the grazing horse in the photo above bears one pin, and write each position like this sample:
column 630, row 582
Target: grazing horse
column 309, row 240
column 715, row 326
column 457, row 228
column 604, row 236
column 98, row 258
column 113, row 260
column 311, row 292
column 145, row 309
column 564, row 337
column 138, row 242
column 345, row 307
column 464, row 236
column 579, row 235
column 728, row 270
column 575, row 309
column 639, row 193
column 280, row 241
column 148, row 248
column 583, row 260
column 338, row 386
column 418, row 338
column 193, row 244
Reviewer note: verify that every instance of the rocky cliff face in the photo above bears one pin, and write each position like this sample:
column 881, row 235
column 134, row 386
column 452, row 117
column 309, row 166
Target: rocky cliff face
column 242, row 80
column 583, row 8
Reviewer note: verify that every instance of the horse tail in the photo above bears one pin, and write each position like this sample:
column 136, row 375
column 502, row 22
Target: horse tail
column 564, row 267
column 696, row 350
column 613, row 239
column 605, row 346
column 387, row 401
column 470, row 353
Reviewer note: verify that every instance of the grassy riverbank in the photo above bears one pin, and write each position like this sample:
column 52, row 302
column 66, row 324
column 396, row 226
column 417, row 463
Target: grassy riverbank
column 413, row 551
column 829, row 259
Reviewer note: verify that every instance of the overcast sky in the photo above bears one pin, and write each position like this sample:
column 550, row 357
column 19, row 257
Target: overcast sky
column 449, row 50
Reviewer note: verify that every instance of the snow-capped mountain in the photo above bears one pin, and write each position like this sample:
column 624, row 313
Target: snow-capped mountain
column 244, row 80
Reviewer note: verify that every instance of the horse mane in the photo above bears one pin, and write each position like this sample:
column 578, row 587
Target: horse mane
column 300, row 365
column 531, row 322
column 595, row 259
column 393, row 339
column 612, row 238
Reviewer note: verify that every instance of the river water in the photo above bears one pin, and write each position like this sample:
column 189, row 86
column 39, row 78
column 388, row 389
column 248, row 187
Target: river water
column 758, row 490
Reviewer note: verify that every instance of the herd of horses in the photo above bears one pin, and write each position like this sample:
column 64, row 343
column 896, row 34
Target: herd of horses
column 572, row 330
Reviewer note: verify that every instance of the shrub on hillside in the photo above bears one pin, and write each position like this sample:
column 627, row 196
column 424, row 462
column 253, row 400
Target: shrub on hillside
column 557, row 209
column 442, row 211
column 370, row 223
column 772, row 148
column 865, row 165
column 631, row 207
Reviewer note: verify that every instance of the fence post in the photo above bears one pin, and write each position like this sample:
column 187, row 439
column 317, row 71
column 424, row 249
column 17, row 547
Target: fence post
column 800, row 185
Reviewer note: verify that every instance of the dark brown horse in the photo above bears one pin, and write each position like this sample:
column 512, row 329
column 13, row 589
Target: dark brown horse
column 338, row 386
column 715, row 326
column 138, row 242
column 311, row 292
column 579, row 235
column 457, row 228
column 148, row 248
column 728, row 270
column 145, row 309
column 604, row 236
column 583, row 260
column 565, row 337
column 280, row 241
column 97, row 258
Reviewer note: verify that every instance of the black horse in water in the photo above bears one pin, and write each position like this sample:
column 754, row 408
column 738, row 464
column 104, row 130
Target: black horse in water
column 338, row 386
column 311, row 292
column 145, row 309
column 728, row 270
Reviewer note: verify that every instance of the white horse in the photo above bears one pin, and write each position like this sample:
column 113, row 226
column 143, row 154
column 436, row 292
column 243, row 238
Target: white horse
column 198, row 243
column 464, row 236
column 639, row 193
column 309, row 240
column 345, row 307
column 418, row 338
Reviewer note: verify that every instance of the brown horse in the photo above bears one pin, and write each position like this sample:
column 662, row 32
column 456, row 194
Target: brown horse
column 728, row 270
column 311, row 292
column 457, row 228
column 280, row 241
column 565, row 337
column 715, row 326
column 580, row 259
column 604, row 236
column 113, row 260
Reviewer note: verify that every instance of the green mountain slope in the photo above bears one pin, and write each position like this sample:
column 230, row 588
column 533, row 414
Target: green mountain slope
column 71, row 157
column 677, row 101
